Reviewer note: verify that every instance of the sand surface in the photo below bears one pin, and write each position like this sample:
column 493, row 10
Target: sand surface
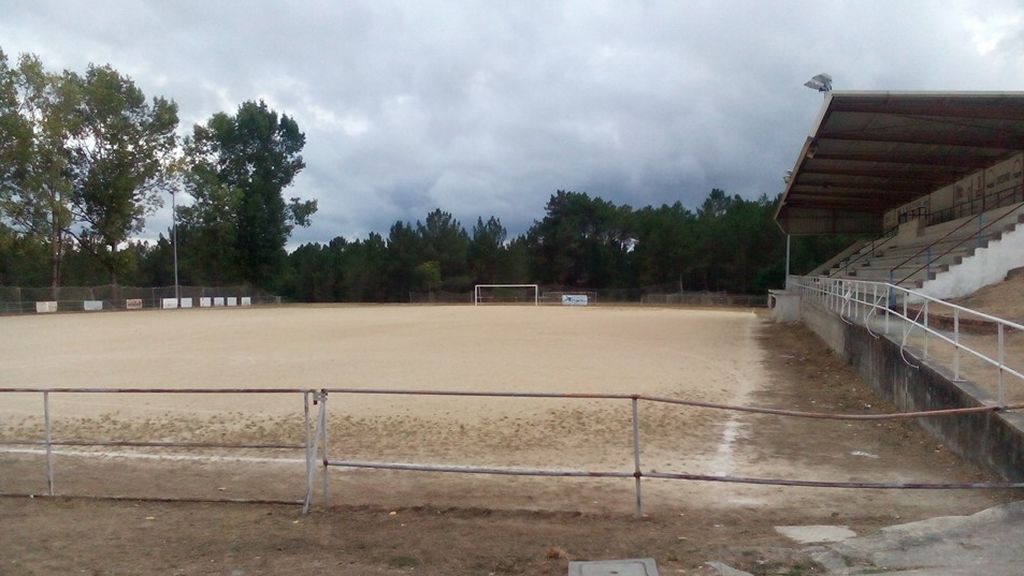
column 707, row 354
column 723, row 356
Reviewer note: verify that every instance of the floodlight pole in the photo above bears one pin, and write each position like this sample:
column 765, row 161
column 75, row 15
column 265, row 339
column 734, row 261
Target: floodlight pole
column 174, row 244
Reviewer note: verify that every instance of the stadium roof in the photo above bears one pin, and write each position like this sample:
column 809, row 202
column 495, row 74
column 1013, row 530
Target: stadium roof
column 870, row 152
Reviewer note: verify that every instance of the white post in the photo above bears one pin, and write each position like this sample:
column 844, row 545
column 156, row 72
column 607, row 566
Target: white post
column 786, row 282
column 925, row 329
column 956, row 344
column 323, row 440
column 888, row 297
column 636, row 460
column 1002, row 392
column 49, row 443
column 309, row 453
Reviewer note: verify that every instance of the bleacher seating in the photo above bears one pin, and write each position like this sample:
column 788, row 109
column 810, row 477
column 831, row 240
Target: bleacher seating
column 913, row 253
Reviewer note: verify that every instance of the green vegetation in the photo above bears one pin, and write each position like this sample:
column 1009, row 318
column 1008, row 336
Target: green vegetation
column 84, row 159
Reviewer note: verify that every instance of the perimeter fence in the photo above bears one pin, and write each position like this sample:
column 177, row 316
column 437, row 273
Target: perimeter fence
column 24, row 300
column 317, row 454
column 658, row 295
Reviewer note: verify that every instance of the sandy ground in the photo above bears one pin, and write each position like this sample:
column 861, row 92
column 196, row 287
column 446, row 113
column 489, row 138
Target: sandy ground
column 483, row 525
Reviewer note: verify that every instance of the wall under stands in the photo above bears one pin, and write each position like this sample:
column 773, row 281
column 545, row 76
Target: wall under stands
column 993, row 440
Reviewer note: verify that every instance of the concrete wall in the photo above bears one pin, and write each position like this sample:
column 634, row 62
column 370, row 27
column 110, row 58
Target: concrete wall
column 994, row 441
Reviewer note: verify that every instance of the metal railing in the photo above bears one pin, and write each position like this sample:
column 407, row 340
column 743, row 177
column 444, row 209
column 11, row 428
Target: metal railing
column 875, row 244
column 988, row 201
column 975, row 235
column 316, row 435
column 880, row 303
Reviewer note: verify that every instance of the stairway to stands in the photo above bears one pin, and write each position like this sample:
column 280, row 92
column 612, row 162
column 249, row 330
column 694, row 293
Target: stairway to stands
column 914, row 254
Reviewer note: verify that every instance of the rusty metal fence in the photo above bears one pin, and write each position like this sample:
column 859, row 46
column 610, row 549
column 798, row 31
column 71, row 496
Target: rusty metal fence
column 317, row 454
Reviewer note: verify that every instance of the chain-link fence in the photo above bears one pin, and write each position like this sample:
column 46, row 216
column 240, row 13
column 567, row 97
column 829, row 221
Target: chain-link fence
column 663, row 295
column 25, row 300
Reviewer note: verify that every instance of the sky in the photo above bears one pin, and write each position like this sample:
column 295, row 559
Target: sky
column 487, row 108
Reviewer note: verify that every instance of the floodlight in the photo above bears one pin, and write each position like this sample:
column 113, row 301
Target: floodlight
column 821, row 82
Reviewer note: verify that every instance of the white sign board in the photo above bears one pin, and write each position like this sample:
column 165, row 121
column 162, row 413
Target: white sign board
column 205, row 302
column 92, row 305
column 133, row 304
column 46, row 307
column 574, row 300
column 232, row 301
column 186, row 302
column 218, row 300
column 168, row 303
column 246, row 301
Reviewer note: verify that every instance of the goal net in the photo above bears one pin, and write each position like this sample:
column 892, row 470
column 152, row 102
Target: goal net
column 506, row 294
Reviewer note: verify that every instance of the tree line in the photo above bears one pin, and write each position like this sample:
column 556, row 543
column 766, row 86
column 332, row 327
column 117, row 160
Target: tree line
column 727, row 244
column 84, row 158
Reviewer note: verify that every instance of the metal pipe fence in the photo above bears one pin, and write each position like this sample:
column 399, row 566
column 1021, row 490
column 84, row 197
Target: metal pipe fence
column 888, row 307
column 316, row 433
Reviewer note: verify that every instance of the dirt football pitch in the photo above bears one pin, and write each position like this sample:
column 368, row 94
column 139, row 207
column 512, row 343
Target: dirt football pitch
column 389, row 522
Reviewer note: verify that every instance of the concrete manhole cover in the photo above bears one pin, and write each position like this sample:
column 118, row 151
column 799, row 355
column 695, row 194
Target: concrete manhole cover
column 816, row 534
column 632, row 567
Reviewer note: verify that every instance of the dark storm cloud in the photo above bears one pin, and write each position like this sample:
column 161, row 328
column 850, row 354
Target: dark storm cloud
column 486, row 108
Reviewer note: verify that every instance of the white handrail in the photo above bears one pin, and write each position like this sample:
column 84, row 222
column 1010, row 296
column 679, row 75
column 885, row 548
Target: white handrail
column 847, row 291
column 989, row 317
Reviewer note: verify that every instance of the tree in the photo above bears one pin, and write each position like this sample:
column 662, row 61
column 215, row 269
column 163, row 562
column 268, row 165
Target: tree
column 404, row 254
column 665, row 244
column 36, row 116
column 119, row 148
column 444, row 241
column 487, row 250
column 428, row 276
column 251, row 158
column 207, row 240
column 581, row 241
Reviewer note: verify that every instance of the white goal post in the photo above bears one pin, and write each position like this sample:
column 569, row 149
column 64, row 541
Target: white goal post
column 477, row 292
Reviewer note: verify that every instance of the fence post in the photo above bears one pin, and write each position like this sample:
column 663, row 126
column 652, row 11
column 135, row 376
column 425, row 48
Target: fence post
column 636, row 459
column 323, row 439
column 888, row 305
column 956, row 344
column 926, row 329
column 906, row 319
column 49, row 445
column 1002, row 392
column 308, row 500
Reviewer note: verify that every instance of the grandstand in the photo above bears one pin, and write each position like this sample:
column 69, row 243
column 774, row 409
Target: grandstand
column 934, row 178
column 933, row 185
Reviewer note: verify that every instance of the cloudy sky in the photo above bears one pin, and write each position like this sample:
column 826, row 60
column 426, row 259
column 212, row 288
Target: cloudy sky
column 486, row 108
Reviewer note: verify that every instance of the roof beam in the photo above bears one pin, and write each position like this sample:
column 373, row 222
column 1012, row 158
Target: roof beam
column 911, row 173
column 908, row 187
column 1003, row 140
column 838, row 205
column 866, row 191
column 966, row 109
column 959, row 162
column 866, row 199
